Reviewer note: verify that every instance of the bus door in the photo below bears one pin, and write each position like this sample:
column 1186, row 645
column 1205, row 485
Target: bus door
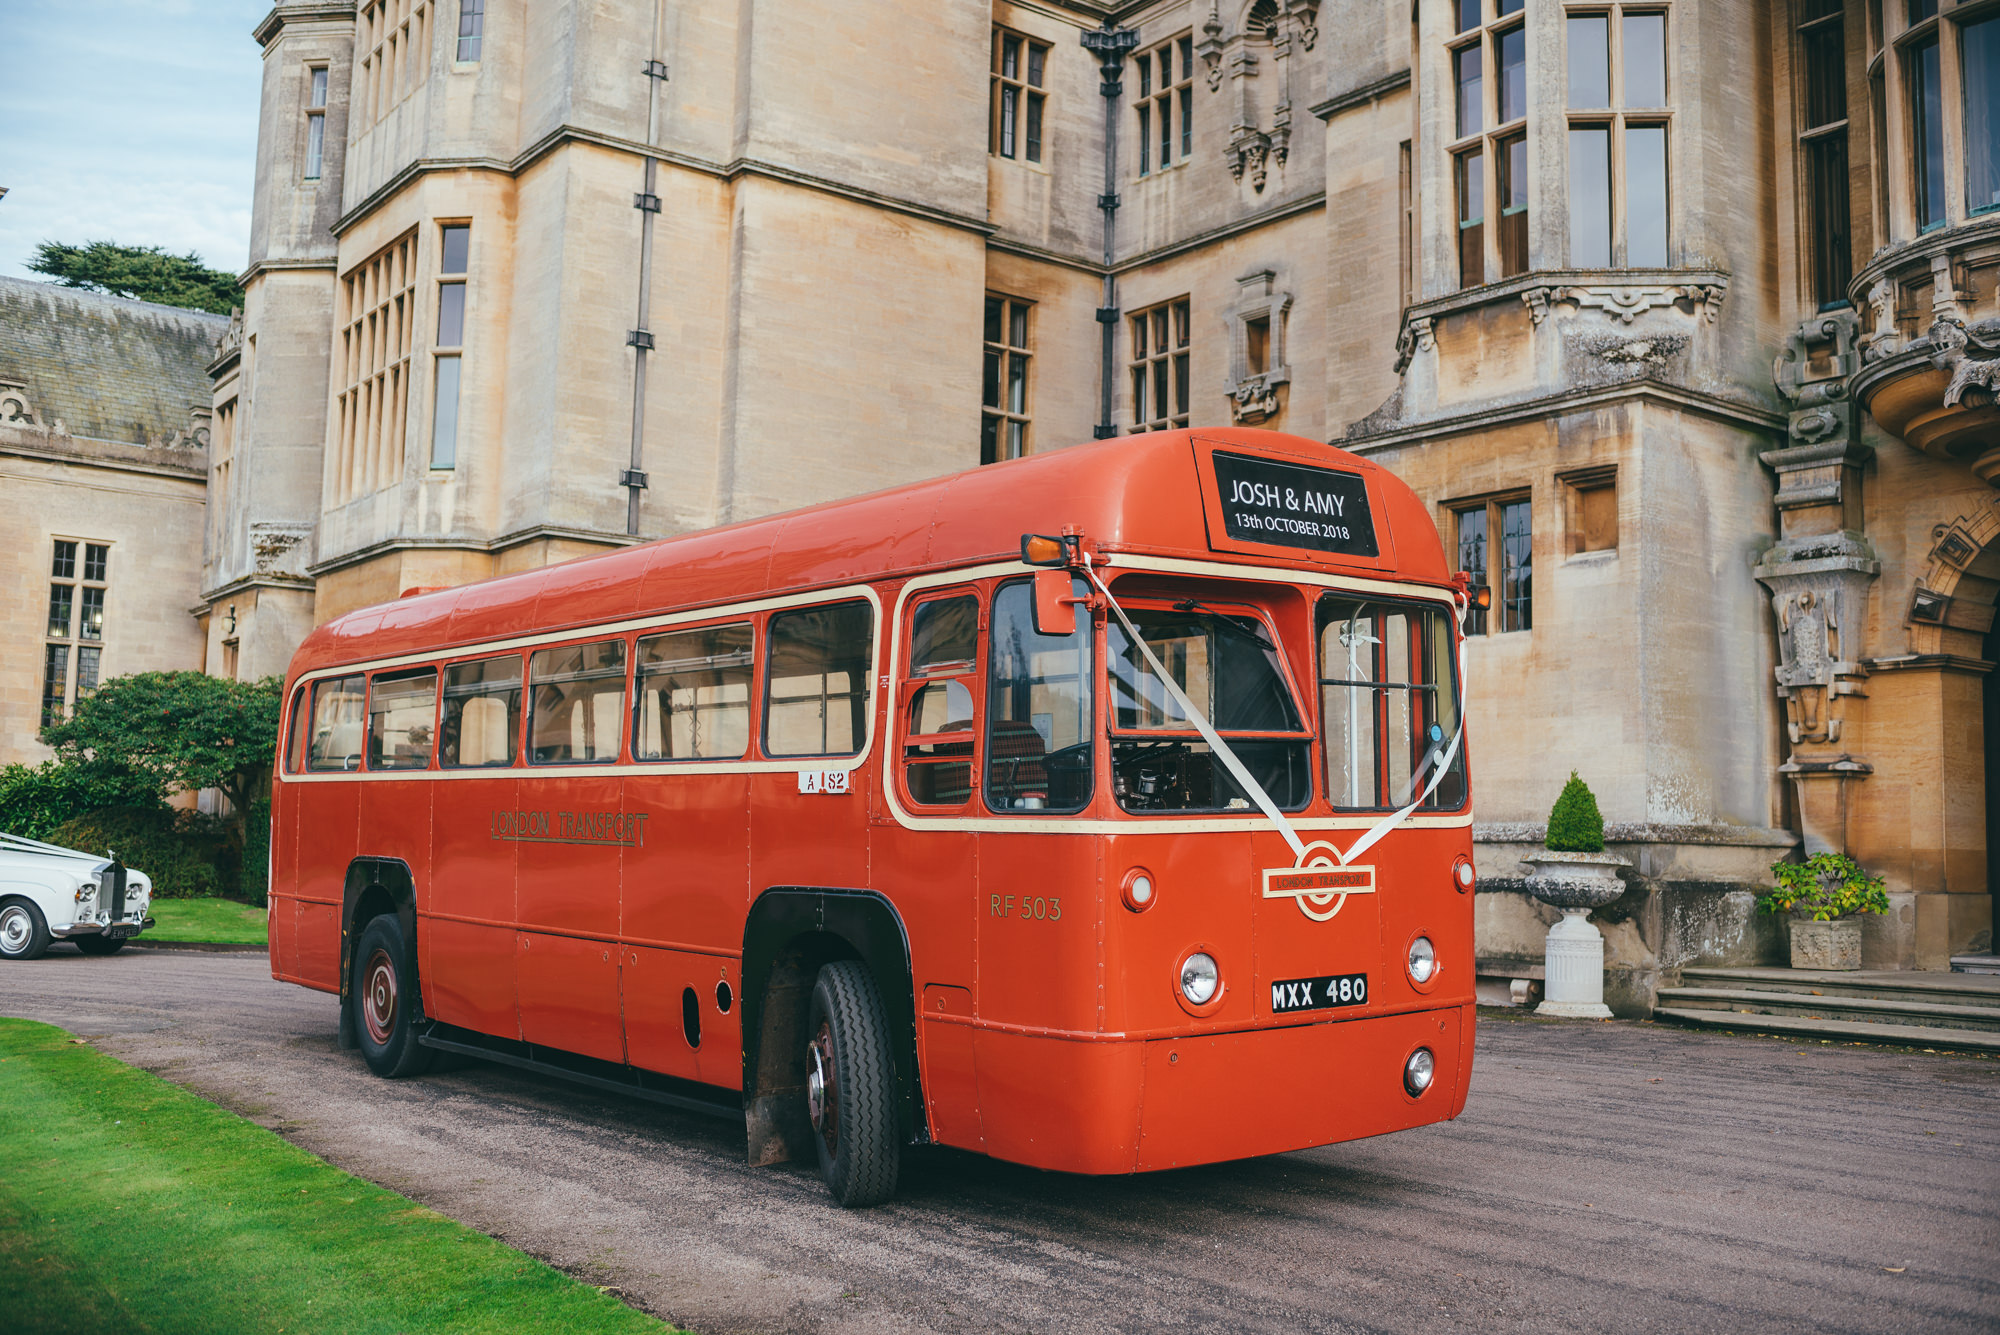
column 395, row 817
column 467, row 939
column 934, row 871
column 687, row 875
column 570, row 840
column 328, row 822
column 809, row 825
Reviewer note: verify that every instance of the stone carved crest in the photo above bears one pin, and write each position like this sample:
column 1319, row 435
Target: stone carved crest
column 280, row 548
column 1971, row 355
column 14, row 406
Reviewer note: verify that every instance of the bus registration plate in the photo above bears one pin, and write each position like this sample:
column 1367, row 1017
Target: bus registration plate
column 1318, row 994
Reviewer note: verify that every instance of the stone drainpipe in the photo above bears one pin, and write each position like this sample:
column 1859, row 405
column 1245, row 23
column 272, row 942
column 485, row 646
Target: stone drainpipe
column 1110, row 45
column 1819, row 570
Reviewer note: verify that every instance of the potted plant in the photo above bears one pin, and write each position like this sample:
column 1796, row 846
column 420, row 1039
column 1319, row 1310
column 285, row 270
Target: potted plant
column 1575, row 874
column 1825, row 896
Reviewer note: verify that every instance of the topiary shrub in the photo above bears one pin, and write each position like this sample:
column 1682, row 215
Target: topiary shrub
column 36, row 800
column 186, row 854
column 1575, row 825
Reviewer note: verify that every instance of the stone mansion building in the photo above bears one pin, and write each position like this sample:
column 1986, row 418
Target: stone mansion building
column 1684, row 315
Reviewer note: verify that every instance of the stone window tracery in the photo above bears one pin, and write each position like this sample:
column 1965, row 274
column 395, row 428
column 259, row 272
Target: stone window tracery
column 1618, row 83
column 392, row 43
column 1489, row 150
column 1016, row 114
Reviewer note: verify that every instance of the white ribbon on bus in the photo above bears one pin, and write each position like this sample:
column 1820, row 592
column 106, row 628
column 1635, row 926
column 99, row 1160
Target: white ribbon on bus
column 1243, row 775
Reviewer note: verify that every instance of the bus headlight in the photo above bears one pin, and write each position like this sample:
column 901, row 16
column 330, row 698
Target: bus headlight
column 1418, row 1071
column 1199, row 979
column 1423, row 960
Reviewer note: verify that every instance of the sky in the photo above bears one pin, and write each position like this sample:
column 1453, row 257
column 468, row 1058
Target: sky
column 133, row 121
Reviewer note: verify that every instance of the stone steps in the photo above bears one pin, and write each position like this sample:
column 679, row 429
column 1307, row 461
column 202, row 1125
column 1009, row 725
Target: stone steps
column 1959, row 1011
column 1817, row 1006
column 1906, row 1035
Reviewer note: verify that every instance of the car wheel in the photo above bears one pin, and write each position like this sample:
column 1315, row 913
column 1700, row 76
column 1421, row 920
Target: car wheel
column 383, row 993
column 99, row 945
column 851, row 1086
column 24, row 933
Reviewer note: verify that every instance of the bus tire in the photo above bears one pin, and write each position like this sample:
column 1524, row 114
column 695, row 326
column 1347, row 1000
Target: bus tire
column 851, row 1086
column 24, row 932
column 383, row 994
column 99, row 945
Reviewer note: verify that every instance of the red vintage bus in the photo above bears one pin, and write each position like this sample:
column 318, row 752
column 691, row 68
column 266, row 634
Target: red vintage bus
column 1102, row 811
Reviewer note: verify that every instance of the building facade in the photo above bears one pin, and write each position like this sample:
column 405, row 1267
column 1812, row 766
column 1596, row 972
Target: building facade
column 1674, row 309
column 104, row 431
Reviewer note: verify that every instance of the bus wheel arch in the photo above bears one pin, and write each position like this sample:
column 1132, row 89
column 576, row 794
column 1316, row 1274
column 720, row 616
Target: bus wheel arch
column 374, row 887
column 791, row 933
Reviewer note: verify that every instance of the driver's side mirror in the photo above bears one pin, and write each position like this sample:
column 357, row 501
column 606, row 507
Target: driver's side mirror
column 1055, row 603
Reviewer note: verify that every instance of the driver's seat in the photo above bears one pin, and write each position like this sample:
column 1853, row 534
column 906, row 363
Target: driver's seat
column 1014, row 760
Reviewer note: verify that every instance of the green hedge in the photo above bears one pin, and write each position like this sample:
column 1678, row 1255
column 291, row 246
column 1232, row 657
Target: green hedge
column 186, row 854
column 35, row 800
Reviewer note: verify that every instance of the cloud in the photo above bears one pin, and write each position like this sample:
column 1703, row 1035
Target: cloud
column 132, row 121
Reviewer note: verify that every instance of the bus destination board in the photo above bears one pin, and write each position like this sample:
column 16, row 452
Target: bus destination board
column 1291, row 505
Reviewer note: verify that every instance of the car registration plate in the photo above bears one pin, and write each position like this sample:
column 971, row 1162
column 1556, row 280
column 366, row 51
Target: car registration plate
column 1318, row 994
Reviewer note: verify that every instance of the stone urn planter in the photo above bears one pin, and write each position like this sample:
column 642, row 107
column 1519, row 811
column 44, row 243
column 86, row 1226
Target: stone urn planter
column 1832, row 944
column 1576, row 883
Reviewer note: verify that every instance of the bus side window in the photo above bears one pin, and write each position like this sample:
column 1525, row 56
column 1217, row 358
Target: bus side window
column 402, row 710
column 693, row 695
column 579, row 703
column 338, row 712
column 295, row 744
column 943, row 683
column 816, row 680
column 482, row 713
column 1038, row 708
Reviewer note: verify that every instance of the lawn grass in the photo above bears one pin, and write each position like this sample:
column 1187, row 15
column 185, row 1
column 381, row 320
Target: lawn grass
column 225, row 920
column 129, row 1204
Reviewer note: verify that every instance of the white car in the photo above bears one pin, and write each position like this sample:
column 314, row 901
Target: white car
column 58, row 894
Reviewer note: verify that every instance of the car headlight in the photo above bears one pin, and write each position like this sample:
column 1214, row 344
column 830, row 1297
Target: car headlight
column 1199, row 979
column 1423, row 960
column 1419, row 1071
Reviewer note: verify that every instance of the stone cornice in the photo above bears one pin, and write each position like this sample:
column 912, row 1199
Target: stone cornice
column 336, row 11
column 516, row 538
column 724, row 171
column 259, row 268
column 1277, row 213
column 1977, row 667
column 1535, row 409
column 108, row 455
column 1558, row 280
column 1642, row 832
column 288, row 583
column 1355, row 97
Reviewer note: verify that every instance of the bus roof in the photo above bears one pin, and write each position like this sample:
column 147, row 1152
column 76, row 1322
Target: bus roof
column 1127, row 494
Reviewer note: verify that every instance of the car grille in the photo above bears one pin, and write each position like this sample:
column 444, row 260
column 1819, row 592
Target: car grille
column 111, row 890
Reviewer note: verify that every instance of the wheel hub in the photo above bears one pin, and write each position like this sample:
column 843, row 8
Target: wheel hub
column 378, row 997
column 822, row 1092
column 14, row 928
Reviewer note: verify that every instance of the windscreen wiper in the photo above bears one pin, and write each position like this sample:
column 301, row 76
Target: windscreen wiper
column 1234, row 625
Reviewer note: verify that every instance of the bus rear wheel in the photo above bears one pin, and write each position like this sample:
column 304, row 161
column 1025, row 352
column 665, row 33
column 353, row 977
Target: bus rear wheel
column 383, row 993
column 851, row 1086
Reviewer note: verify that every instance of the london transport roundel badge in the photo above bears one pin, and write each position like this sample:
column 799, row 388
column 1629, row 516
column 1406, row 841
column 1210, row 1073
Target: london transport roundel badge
column 1318, row 882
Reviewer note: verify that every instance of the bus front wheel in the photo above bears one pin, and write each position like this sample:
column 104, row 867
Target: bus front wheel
column 851, row 1086
column 383, row 993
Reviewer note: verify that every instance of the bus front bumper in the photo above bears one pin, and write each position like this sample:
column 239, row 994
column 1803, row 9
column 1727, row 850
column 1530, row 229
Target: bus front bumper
column 1143, row 1105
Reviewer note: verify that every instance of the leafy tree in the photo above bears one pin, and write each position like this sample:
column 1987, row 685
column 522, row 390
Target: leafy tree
column 144, row 273
column 1575, row 825
column 182, row 730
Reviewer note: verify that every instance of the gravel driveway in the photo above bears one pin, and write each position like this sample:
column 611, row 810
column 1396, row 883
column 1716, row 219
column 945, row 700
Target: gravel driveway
column 1612, row 1177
